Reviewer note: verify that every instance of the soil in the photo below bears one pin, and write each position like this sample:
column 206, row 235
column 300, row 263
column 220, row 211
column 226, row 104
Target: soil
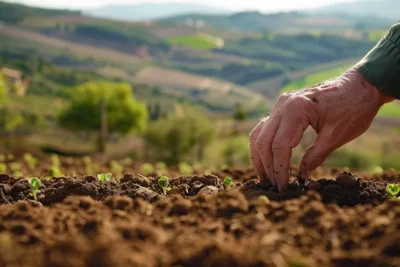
column 80, row 221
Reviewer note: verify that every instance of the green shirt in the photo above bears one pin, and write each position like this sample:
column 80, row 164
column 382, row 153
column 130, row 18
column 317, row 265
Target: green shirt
column 381, row 66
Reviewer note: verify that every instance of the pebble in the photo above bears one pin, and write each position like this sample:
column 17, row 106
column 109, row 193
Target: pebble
column 208, row 190
column 347, row 180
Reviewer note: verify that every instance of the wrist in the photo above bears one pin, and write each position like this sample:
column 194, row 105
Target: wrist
column 365, row 84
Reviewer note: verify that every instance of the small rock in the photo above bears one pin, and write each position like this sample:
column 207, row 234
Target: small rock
column 347, row 180
column 208, row 190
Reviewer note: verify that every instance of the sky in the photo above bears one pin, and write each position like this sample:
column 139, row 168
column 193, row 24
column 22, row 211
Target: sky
column 261, row 5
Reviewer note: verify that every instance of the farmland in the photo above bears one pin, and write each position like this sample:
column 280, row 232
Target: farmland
column 196, row 42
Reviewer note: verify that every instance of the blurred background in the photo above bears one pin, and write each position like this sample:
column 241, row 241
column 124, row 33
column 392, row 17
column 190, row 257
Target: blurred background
column 178, row 83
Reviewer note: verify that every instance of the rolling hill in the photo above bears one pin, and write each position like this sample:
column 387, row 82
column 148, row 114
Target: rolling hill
column 152, row 11
column 386, row 9
column 283, row 21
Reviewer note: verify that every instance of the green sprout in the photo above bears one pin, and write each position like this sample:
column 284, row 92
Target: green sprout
column 104, row 177
column 30, row 160
column 147, row 168
column 116, row 167
column 392, row 191
column 55, row 160
column 55, row 171
column 161, row 166
column 227, row 182
column 185, row 168
column 127, row 161
column 3, row 168
column 15, row 168
column 34, row 184
column 163, row 182
column 264, row 198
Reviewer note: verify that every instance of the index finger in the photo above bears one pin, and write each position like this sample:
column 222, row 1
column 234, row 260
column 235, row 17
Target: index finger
column 288, row 136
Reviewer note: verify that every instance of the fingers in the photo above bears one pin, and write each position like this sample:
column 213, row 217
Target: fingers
column 255, row 157
column 315, row 155
column 287, row 137
column 264, row 146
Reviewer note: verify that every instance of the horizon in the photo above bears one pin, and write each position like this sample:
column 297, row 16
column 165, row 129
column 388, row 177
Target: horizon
column 250, row 5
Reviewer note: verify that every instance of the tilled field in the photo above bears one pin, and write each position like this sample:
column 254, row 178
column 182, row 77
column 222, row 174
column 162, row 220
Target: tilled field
column 81, row 221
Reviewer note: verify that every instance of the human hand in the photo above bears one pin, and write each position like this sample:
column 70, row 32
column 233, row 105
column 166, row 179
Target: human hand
column 339, row 111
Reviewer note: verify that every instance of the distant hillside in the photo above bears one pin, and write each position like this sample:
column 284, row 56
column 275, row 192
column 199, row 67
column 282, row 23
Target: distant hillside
column 151, row 11
column 14, row 13
column 256, row 21
column 388, row 9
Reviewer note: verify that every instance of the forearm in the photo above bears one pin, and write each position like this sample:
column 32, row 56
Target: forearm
column 381, row 66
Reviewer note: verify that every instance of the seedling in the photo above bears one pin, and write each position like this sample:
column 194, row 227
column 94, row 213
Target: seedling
column 147, row 168
column 185, row 168
column 163, row 182
column 34, row 184
column 30, row 160
column 161, row 166
column 392, row 191
column 3, row 168
column 104, row 177
column 55, row 171
column 15, row 168
column 227, row 182
column 264, row 198
column 127, row 161
column 55, row 160
column 116, row 167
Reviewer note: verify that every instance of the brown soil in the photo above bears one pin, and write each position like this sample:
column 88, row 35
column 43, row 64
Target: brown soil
column 83, row 222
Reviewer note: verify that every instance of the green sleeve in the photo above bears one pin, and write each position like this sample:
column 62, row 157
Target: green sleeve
column 381, row 66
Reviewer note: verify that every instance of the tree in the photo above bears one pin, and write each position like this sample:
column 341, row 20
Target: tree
column 240, row 113
column 176, row 136
column 98, row 104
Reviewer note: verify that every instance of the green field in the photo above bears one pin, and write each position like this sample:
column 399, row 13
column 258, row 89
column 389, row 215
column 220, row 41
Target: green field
column 315, row 78
column 389, row 110
column 193, row 41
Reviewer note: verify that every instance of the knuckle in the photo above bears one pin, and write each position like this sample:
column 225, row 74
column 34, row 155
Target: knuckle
column 279, row 145
column 253, row 136
column 260, row 144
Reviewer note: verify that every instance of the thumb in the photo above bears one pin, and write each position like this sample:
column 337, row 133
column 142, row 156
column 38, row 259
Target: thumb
column 315, row 156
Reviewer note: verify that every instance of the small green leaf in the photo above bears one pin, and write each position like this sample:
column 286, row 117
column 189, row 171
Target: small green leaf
column 227, row 182
column 101, row 177
column 163, row 181
column 392, row 190
column 108, row 177
column 104, row 177
column 34, row 183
